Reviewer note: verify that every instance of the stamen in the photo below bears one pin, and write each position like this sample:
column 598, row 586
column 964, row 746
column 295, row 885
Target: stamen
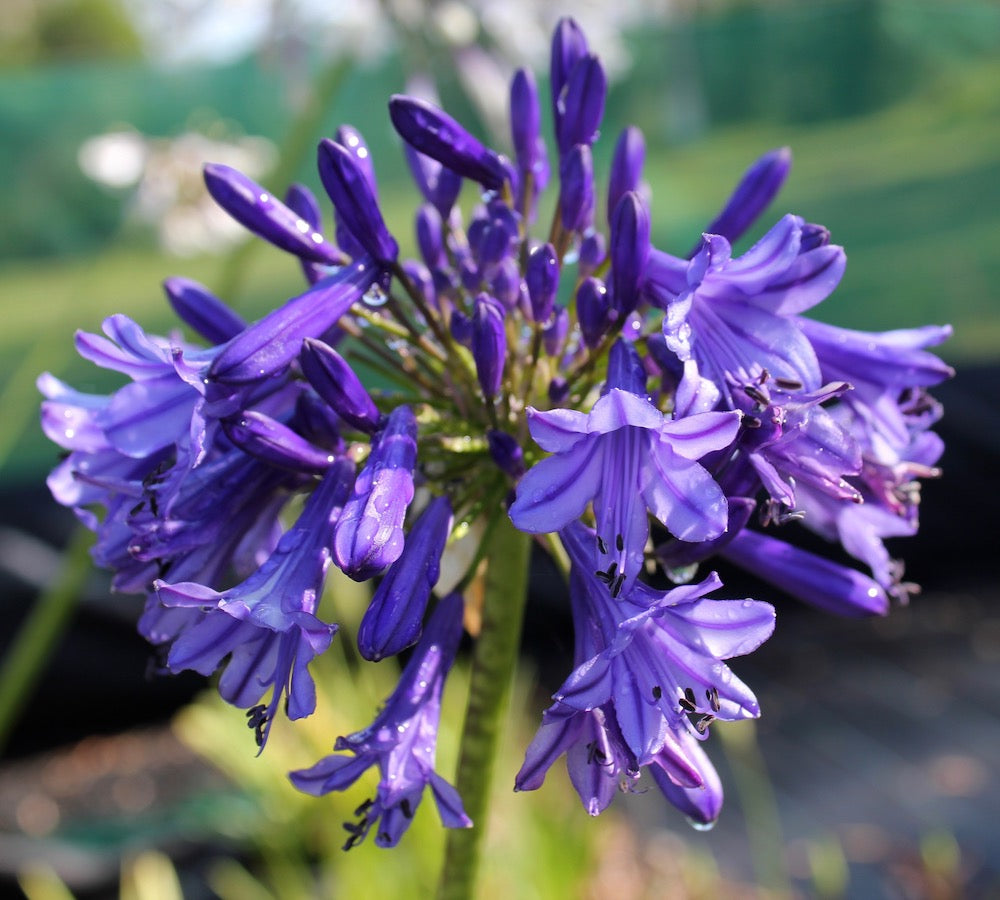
column 713, row 698
column 701, row 726
column 657, row 692
column 788, row 384
column 601, row 545
column 257, row 719
column 617, row 589
column 407, row 810
column 620, row 543
column 687, row 702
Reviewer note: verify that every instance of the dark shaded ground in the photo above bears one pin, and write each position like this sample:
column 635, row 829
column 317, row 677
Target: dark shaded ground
column 883, row 736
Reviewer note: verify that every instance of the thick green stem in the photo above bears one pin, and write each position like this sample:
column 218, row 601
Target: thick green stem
column 30, row 652
column 489, row 690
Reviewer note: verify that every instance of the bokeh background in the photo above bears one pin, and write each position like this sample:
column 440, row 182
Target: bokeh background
column 875, row 770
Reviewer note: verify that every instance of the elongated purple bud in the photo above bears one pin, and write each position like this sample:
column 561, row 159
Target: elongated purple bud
column 354, row 200
column 394, row 618
column 336, row 382
column 437, row 135
column 259, row 211
column 301, row 201
column 554, row 333
column 525, row 120
column 202, row 310
column 592, row 310
column 269, row 345
column 506, row 284
column 626, row 166
column 506, row 452
column 625, row 369
column 576, row 188
column 369, row 533
column 629, row 251
column 757, row 188
column 489, row 344
column 430, row 239
column 460, row 326
column 582, row 106
column 351, row 140
column 814, row 580
column 422, row 280
column 569, row 46
column 440, row 186
column 593, row 250
column 542, row 278
column 267, row 439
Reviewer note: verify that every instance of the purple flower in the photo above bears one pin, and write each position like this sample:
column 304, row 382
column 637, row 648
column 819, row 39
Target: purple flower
column 736, row 316
column 529, row 147
column 662, row 651
column 267, row 625
column 401, row 742
column 369, row 534
column 393, row 619
column 628, row 458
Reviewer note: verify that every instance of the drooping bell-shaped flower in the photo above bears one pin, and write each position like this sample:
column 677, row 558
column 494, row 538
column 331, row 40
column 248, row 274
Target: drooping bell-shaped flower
column 267, row 625
column 628, row 458
column 369, row 535
column 402, row 742
column 736, row 317
column 663, row 652
column 394, row 617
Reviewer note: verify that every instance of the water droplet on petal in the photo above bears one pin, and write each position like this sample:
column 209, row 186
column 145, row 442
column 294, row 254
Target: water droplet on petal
column 702, row 826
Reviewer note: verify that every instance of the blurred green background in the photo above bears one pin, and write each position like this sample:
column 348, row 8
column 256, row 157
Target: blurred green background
column 891, row 107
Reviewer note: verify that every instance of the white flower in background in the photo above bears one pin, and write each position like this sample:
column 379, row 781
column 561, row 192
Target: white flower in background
column 164, row 175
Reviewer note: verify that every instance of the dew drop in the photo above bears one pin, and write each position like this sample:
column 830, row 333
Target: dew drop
column 375, row 296
column 702, row 826
column 265, row 198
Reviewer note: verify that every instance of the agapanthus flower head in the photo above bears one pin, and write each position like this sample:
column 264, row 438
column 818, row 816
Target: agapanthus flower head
column 645, row 411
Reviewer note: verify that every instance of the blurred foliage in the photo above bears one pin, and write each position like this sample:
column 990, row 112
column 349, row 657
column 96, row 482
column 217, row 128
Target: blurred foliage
column 37, row 32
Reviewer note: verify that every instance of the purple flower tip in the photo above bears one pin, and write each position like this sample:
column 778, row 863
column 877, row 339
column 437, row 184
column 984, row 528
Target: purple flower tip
column 262, row 213
column 437, row 135
column 347, row 182
column 336, row 382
